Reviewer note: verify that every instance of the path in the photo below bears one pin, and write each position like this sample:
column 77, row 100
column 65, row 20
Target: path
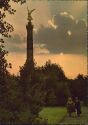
column 83, row 119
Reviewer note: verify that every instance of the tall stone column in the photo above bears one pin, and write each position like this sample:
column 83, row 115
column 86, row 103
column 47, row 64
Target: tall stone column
column 29, row 28
column 27, row 71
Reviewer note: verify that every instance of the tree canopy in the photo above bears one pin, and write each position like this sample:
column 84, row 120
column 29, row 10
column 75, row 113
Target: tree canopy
column 5, row 27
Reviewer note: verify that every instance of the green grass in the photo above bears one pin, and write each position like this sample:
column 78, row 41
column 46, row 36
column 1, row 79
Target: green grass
column 53, row 114
column 57, row 115
column 83, row 119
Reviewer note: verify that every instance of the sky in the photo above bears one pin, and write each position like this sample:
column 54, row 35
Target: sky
column 59, row 35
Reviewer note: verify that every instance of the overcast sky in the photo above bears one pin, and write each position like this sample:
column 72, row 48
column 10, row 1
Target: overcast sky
column 59, row 34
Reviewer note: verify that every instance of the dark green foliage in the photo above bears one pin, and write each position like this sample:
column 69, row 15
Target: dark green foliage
column 5, row 87
column 31, row 91
column 3, row 75
column 78, row 87
column 58, row 88
column 5, row 27
column 6, row 4
column 53, row 70
column 50, row 98
column 23, row 97
column 9, row 101
column 12, row 108
column 55, row 84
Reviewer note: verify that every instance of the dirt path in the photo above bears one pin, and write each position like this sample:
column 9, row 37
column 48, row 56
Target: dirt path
column 83, row 119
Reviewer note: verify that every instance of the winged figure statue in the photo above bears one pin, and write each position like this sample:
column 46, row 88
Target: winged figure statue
column 29, row 14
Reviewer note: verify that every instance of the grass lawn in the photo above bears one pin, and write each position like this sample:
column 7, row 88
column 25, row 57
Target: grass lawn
column 83, row 119
column 53, row 114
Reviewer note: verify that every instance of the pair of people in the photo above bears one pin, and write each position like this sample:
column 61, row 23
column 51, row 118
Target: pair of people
column 73, row 106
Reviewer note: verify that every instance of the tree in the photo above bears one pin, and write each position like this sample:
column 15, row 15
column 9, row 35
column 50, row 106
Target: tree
column 62, row 93
column 5, row 27
column 78, row 87
column 31, row 92
column 55, row 82
column 50, row 99
column 53, row 70
column 3, row 79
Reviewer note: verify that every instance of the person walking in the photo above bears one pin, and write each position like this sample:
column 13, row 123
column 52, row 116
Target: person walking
column 78, row 106
column 70, row 106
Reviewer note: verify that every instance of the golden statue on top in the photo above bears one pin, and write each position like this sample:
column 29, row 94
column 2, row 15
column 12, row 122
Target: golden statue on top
column 29, row 14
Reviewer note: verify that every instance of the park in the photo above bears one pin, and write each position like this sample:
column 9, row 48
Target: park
column 39, row 94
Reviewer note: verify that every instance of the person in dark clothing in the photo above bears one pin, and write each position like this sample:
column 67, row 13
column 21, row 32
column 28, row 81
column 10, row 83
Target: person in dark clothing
column 78, row 106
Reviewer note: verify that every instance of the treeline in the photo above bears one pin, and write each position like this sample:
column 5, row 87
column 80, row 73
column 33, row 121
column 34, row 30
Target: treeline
column 56, row 87
column 23, row 97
